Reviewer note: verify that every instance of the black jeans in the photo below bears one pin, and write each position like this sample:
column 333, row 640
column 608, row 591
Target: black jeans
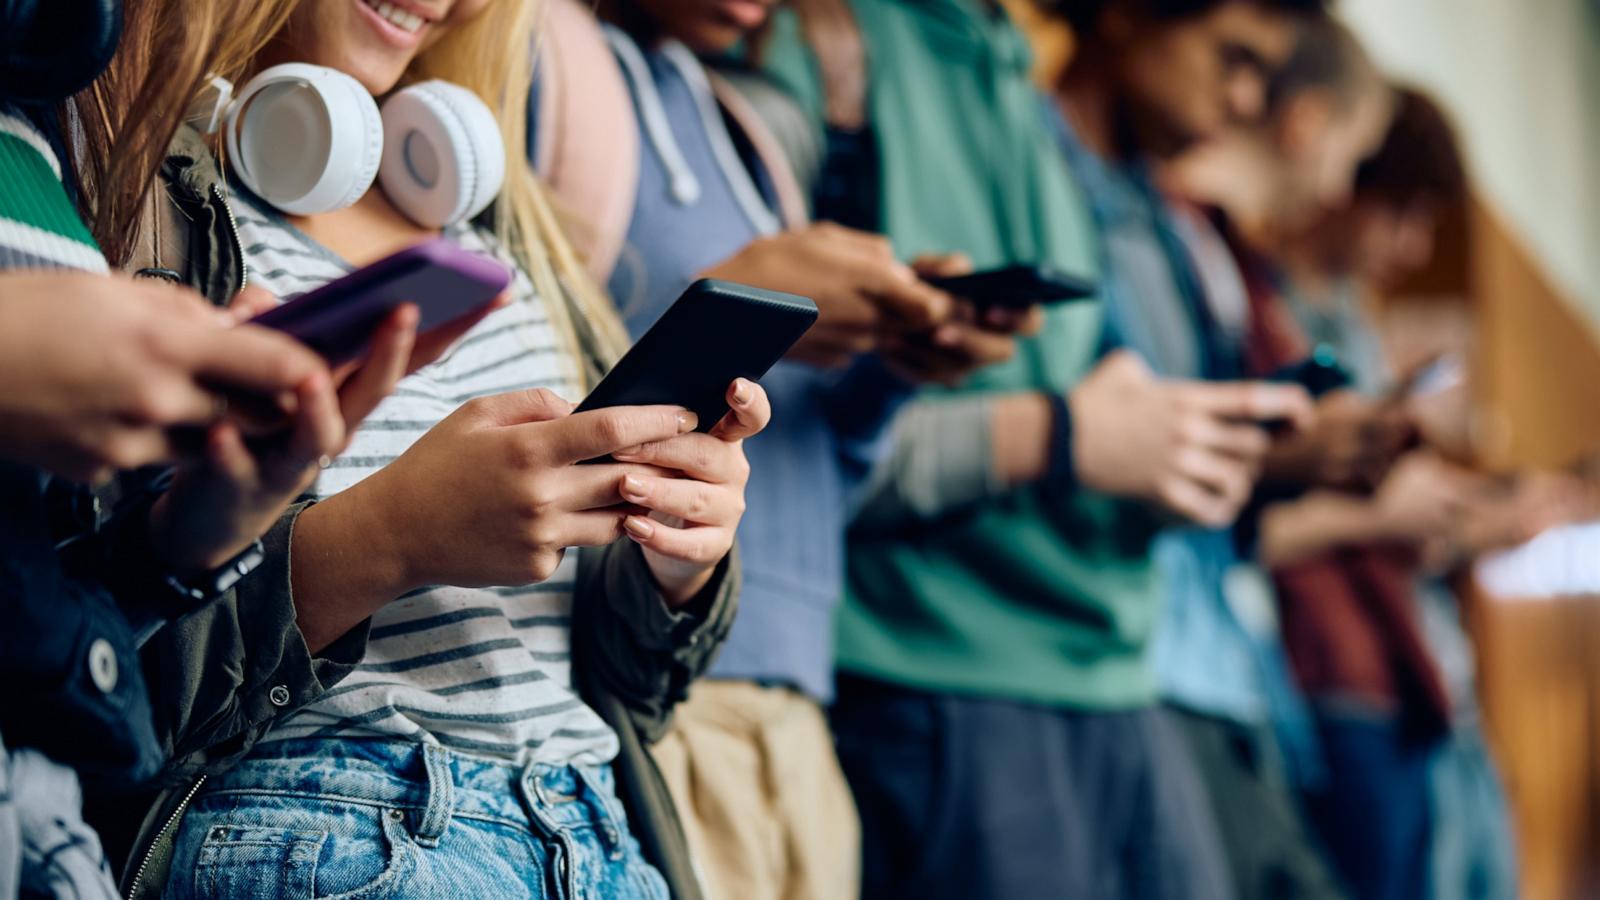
column 966, row 797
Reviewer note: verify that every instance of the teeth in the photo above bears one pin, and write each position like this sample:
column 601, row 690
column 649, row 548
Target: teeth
column 395, row 16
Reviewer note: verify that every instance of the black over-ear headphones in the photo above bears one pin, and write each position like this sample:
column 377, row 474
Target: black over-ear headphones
column 51, row 49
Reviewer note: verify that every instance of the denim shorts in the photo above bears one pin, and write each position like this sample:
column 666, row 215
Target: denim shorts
column 362, row 820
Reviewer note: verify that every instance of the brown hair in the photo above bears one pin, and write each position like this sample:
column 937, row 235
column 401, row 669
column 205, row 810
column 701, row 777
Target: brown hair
column 1327, row 57
column 1084, row 15
column 124, row 121
column 1420, row 158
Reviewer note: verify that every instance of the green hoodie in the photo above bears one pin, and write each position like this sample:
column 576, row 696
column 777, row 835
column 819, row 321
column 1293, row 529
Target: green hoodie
column 1016, row 597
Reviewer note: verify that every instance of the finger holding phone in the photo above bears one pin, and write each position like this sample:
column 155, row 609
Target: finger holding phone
column 104, row 373
column 862, row 292
column 693, row 494
column 975, row 335
column 1350, row 443
column 247, row 476
column 492, row 495
column 1192, row 448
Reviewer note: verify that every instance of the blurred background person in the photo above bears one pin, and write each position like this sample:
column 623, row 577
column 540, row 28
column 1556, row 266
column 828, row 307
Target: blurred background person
column 997, row 534
column 1385, row 234
column 693, row 185
column 1299, row 98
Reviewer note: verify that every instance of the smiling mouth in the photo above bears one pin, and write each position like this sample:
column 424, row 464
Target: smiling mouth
column 394, row 15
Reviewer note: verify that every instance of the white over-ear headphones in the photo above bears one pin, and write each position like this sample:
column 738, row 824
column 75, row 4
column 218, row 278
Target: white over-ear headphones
column 310, row 139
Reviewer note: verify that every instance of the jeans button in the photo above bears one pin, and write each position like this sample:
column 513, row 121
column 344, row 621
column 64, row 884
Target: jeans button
column 103, row 665
column 279, row 696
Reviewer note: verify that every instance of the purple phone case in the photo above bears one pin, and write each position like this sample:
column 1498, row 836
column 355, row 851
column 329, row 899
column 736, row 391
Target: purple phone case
column 337, row 319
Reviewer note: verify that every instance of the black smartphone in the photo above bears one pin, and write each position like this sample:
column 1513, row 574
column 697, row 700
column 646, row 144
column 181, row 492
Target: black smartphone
column 1016, row 287
column 716, row 332
column 1320, row 373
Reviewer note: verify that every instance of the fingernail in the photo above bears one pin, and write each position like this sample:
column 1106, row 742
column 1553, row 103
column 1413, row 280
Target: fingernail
column 686, row 422
column 741, row 393
column 638, row 528
column 628, row 453
column 633, row 489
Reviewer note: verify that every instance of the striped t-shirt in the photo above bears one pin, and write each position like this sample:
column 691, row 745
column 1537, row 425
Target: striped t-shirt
column 480, row 670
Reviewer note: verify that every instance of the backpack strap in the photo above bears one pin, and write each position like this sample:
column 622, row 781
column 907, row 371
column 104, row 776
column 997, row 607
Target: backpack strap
column 831, row 30
column 587, row 143
column 791, row 200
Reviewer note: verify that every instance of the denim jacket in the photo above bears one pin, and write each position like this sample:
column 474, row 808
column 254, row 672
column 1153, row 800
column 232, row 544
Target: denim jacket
column 220, row 679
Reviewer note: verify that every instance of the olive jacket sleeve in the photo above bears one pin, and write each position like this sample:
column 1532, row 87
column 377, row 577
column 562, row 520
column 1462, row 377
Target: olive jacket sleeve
column 633, row 660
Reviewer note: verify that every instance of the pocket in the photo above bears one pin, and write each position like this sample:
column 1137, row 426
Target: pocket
column 248, row 862
column 361, row 853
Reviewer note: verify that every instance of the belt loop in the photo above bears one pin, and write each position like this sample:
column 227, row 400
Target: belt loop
column 441, row 795
column 610, row 809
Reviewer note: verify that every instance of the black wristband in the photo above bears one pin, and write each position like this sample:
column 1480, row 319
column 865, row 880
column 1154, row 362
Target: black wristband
column 1062, row 475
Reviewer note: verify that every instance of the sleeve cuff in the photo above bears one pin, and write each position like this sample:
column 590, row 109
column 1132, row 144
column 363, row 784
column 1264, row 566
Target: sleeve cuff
column 294, row 676
column 656, row 626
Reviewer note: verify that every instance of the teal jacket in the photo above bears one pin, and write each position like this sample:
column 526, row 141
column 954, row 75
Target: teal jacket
column 1013, row 594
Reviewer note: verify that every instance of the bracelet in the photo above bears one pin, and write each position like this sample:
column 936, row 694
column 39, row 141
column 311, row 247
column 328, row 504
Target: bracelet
column 1062, row 474
column 203, row 587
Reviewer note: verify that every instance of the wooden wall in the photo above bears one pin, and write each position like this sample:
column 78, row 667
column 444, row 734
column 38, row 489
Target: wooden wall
column 1537, row 385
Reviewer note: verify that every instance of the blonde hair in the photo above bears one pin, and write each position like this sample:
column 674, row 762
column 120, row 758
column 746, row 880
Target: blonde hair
column 124, row 121
column 493, row 55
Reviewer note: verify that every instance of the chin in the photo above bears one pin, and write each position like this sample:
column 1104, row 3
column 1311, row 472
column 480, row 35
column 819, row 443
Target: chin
column 378, row 76
column 713, row 38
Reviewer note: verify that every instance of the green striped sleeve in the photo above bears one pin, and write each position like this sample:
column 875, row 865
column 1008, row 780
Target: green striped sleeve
column 39, row 228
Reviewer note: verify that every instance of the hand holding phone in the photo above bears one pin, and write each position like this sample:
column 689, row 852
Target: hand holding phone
column 1320, row 373
column 860, row 289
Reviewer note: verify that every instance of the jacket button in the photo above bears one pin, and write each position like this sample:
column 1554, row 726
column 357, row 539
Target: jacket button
column 103, row 665
column 279, row 696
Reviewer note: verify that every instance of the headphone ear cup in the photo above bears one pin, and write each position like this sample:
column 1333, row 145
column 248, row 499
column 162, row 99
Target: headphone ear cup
column 310, row 140
column 444, row 158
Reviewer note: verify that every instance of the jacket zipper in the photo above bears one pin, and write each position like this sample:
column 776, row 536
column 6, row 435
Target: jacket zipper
column 233, row 232
column 150, row 852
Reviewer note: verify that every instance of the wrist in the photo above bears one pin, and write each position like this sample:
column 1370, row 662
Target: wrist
column 678, row 582
column 1087, row 467
column 1021, row 431
column 347, row 539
